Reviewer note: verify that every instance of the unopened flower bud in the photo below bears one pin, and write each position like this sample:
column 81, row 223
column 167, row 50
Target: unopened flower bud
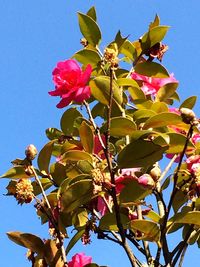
column 146, row 180
column 31, row 152
column 187, row 115
column 155, row 172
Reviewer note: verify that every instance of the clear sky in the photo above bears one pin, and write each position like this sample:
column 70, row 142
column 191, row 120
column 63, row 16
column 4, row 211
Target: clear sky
column 35, row 35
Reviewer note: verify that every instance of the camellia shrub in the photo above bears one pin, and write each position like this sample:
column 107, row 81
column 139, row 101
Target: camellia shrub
column 124, row 165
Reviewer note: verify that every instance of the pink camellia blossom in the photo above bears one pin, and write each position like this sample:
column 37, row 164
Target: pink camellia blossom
column 71, row 82
column 151, row 85
column 193, row 163
column 79, row 260
column 146, row 181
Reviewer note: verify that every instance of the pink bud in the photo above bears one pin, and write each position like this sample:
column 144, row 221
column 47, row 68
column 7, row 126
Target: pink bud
column 146, row 180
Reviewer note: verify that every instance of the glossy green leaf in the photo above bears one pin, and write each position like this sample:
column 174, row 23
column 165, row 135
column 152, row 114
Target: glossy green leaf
column 189, row 102
column 89, row 29
column 100, row 88
column 74, row 240
column 80, row 218
column 68, row 120
column 177, row 142
column 151, row 69
column 16, row 173
column 58, row 172
column 98, row 110
column 136, row 93
column 120, row 126
column 92, row 13
column 119, row 40
column 166, row 91
column 76, row 155
column 162, row 119
column 53, row 133
column 44, row 156
column 85, row 166
column 128, row 49
column 179, row 199
column 150, row 230
column 127, row 82
column 108, row 222
column 191, row 217
column 155, row 217
column 76, row 195
column 153, row 36
column 159, row 107
column 132, row 193
column 30, row 241
column 46, row 184
column 87, row 56
column 143, row 114
column 133, row 156
column 87, row 137
column 155, row 23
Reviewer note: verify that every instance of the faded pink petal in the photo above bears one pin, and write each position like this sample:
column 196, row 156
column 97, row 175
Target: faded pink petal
column 79, row 260
column 193, row 163
column 151, row 85
column 71, row 82
column 196, row 138
column 146, row 180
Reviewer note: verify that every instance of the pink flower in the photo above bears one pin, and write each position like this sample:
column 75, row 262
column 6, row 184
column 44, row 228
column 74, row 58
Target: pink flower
column 146, row 181
column 98, row 149
column 70, row 82
column 79, row 260
column 151, row 85
column 196, row 138
column 193, row 163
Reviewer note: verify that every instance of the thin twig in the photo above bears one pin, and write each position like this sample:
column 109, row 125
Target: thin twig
column 51, row 217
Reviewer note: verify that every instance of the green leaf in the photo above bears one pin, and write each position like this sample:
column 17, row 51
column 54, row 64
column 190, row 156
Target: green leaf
column 108, row 222
column 150, row 230
column 76, row 195
column 119, row 40
column 30, row 241
column 142, row 115
column 179, row 199
column 162, row 119
column 53, row 133
column 100, row 88
column 189, row 102
column 133, row 156
column 89, row 29
column 153, row 36
column 155, row 217
column 68, row 120
column 177, row 142
column 166, row 91
column 87, row 56
column 127, row 82
column 191, row 217
column 98, row 110
column 76, row 155
column 128, row 49
column 155, row 23
column 136, row 93
column 120, row 126
column 16, row 173
column 58, row 172
column 74, row 240
column 132, row 193
column 87, row 137
column 151, row 69
column 92, row 13
column 46, row 183
column 159, row 107
column 44, row 156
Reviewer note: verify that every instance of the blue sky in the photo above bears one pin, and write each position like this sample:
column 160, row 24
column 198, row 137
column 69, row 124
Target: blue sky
column 35, row 35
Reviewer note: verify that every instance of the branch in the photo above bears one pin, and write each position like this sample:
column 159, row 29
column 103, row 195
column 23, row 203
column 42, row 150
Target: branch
column 51, row 217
